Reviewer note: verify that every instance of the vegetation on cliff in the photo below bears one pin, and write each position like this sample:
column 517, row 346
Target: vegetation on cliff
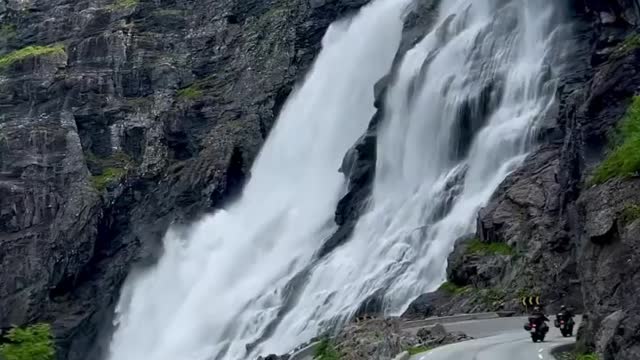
column 31, row 343
column 326, row 350
column 477, row 247
column 28, row 52
column 623, row 159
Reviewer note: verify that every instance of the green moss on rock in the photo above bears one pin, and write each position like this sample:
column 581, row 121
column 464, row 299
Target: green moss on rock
column 630, row 213
column 192, row 92
column 477, row 247
column 123, row 4
column 625, row 48
column 418, row 349
column 29, row 52
column 108, row 176
column 109, row 170
column 453, row 289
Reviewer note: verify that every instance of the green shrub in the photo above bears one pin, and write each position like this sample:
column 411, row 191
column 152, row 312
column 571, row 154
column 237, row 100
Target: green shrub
column 477, row 247
column 29, row 51
column 625, row 48
column 623, row 159
column 31, row 343
column 123, row 4
column 325, row 350
column 418, row 349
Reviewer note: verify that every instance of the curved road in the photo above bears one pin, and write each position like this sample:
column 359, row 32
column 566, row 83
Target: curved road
column 497, row 339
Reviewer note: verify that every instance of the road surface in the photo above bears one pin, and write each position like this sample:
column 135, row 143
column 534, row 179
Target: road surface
column 497, row 339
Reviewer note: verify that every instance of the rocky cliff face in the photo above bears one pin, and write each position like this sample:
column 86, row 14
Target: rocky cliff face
column 121, row 117
column 553, row 233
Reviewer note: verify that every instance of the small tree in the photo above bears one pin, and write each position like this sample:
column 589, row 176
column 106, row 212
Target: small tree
column 31, row 343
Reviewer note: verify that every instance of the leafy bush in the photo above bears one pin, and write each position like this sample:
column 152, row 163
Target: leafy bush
column 31, row 343
column 623, row 159
column 29, row 51
column 325, row 350
column 477, row 247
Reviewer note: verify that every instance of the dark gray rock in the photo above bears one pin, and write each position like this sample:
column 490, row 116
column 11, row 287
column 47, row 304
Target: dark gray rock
column 608, row 258
column 152, row 115
column 438, row 336
column 377, row 339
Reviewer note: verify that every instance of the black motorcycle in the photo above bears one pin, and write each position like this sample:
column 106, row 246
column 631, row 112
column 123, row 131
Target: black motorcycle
column 565, row 325
column 538, row 332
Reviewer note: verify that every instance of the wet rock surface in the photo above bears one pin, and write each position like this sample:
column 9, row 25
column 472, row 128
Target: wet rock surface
column 135, row 116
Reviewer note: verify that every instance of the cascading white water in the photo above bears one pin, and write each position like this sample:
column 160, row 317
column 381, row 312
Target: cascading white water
column 459, row 117
column 216, row 288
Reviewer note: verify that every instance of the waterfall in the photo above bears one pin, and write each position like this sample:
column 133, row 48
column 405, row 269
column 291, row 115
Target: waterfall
column 460, row 114
column 216, row 288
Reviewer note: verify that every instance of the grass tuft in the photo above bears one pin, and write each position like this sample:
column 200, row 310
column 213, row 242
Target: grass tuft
column 192, row 92
column 418, row 349
column 452, row 288
column 108, row 176
column 623, row 159
column 326, row 350
column 477, row 247
column 28, row 52
column 108, row 170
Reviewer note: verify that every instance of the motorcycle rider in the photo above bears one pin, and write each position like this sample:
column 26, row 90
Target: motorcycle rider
column 539, row 318
column 566, row 315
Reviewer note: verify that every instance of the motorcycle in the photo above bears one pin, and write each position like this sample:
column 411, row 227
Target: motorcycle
column 566, row 327
column 537, row 332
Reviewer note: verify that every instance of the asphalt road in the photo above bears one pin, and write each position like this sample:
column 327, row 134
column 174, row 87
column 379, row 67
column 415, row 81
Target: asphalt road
column 497, row 339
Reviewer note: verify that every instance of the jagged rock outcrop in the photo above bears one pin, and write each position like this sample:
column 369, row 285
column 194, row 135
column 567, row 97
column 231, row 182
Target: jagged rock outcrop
column 119, row 118
column 383, row 339
column 609, row 258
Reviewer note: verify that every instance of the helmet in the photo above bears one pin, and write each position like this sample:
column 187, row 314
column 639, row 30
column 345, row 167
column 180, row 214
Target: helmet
column 537, row 308
column 563, row 307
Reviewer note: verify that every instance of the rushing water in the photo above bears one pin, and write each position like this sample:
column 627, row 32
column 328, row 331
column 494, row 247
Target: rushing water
column 460, row 115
